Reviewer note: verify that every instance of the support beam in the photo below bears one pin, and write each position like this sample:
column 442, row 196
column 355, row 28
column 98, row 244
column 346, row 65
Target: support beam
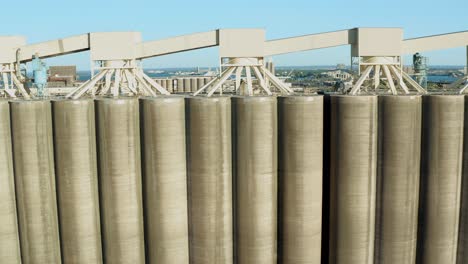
column 177, row 44
column 389, row 79
column 360, row 81
column 309, row 42
column 435, row 42
column 400, row 79
column 54, row 48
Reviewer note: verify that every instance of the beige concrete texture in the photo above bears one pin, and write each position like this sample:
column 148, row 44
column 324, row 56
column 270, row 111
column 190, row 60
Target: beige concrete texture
column 165, row 179
column 209, row 169
column 398, row 172
column 300, row 149
column 462, row 248
column 118, row 134
column 77, row 180
column 9, row 236
column 170, row 85
column 441, row 164
column 200, row 82
column 353, row 163
column 255, row 177
column 180, row 85
column 187, row 85
column 194, row 84
column 33, row 155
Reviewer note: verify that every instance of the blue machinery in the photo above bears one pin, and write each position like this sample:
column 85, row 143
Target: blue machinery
column 39, row 75
column 420, row 69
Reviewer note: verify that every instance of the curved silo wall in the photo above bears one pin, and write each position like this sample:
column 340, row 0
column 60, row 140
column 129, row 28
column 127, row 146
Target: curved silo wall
column 77, row 182
column 353, row 162
column 398, row 174
column 35, row 181
column 255, row 166
column 165, row 179
column 300, row 126
column 118, row 134
column 209, row 167
column 441, row 163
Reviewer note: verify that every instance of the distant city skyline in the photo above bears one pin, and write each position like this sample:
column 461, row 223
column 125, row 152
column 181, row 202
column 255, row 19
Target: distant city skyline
column 52, row 19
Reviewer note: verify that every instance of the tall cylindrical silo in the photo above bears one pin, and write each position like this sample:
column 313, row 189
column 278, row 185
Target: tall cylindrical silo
column 462, row 248
column 163, row 83
column 165, row 181
column 118, row 135
column 170, row 85
column 353, row 163
column 187, row 85
column 77, row 183
column 441, row 162
column 33, row 155
column 194, row 84
column 255, row 148
column 200, row 82
column 210, row 179
column 399, row 154
column 9, row 236
column 300, row 126
column 180, row 85
column 206, row 80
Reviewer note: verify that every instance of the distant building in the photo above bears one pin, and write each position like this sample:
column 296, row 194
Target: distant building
column 336, row 74
column 62, row 76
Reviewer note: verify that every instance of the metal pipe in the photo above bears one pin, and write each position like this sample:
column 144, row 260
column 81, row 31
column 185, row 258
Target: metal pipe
column 18, row 62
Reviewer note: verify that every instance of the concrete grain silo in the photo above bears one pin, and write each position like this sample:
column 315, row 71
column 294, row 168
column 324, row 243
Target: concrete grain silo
column 77, row 182
column 118, row 134
column 209, row 169
column 170, row 85
column 200, row 82
column 165, row 181
column 180, row 85
column 300, row 137
column 9, row 236
column 194, row 84
column 187, row 85
column 206, row 80
column 164, row 83
column 399, row 156
column 255, row 177
column 33, row 155
column 462, row 248
column 353, row 162
column 441, row 163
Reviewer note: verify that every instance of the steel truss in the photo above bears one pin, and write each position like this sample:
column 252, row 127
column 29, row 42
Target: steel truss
column 245, row 67
column 12, row 86
column 116, row 78
column 387, row 69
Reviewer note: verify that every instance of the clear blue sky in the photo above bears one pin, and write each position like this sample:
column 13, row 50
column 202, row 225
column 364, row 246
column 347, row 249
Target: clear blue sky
column 51, row 19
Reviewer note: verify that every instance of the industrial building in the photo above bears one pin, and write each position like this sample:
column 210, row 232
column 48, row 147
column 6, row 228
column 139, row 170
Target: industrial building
column 237, row 168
